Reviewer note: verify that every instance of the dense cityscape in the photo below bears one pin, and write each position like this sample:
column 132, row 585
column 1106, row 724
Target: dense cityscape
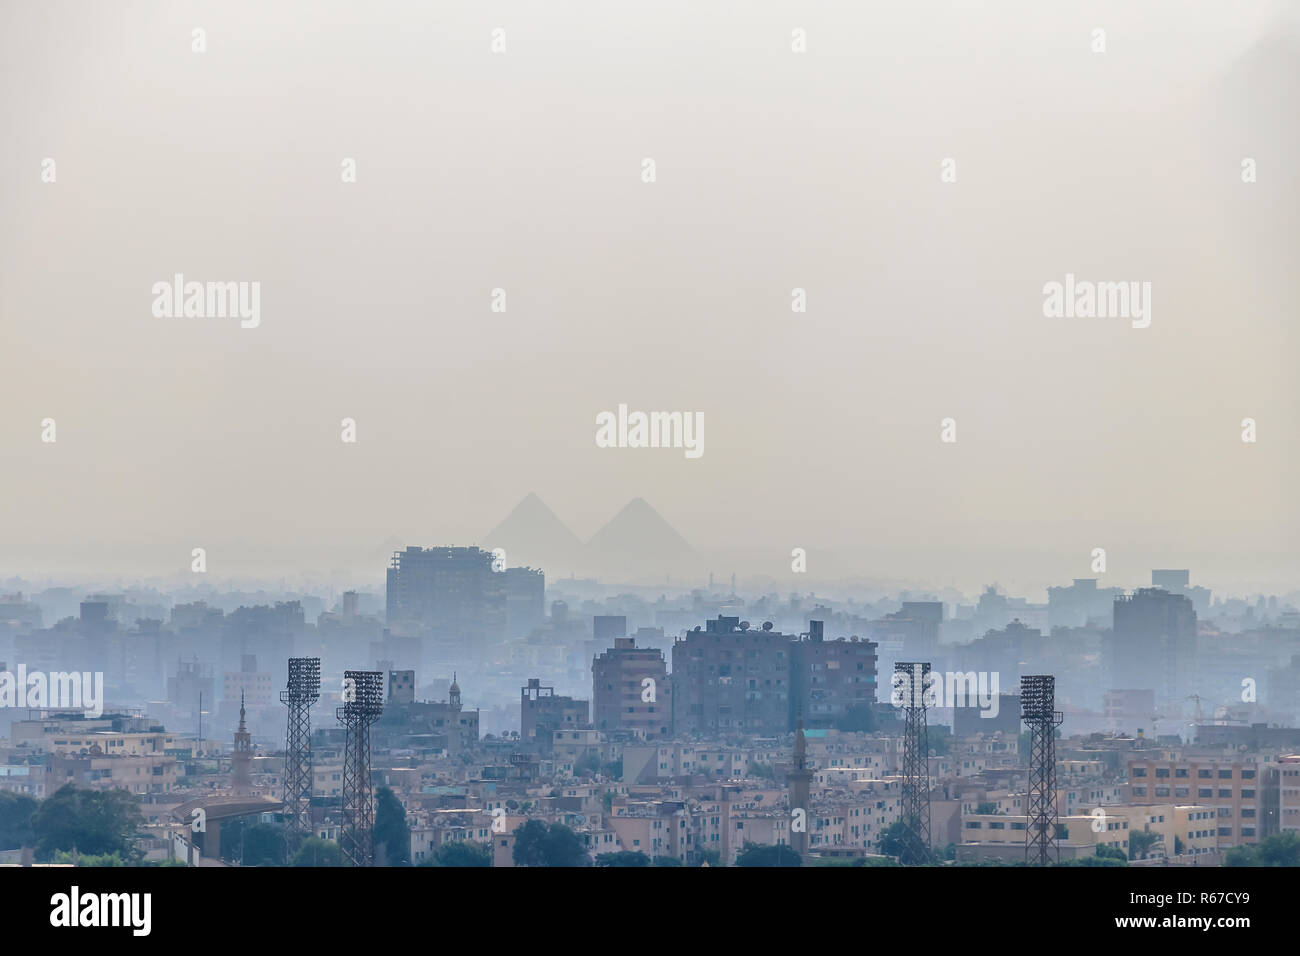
column 843, row 450
column 477, row 714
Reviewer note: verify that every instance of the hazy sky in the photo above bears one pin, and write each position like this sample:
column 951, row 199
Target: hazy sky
column 774, row 170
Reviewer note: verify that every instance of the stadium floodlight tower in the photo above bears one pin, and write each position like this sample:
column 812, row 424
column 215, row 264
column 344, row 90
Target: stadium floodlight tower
column 363, row 702
column 303, row 691
column 1038, row 710
column 911, row 684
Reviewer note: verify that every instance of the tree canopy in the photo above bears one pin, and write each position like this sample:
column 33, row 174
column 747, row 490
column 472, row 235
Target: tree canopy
column 93, row 822
column 540, row 844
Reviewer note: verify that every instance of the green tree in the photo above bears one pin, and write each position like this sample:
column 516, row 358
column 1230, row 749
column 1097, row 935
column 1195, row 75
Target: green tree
column 711, row 857
column 317, row 852
column 1282, row 849
column 93, row 822
column 87, row 859
column 1240, row 856
column 667, row 861
column 1140, row 843
column 461, row 853
column 537, row 844
column 252, row 843
column 16, row 811
column 775, row 854
column 1111, row 853
column 623, row 858
column 894, row 840
column 392, row 835
column 986, row 806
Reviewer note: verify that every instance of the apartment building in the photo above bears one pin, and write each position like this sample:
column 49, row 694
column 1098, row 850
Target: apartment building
column 1230, row 788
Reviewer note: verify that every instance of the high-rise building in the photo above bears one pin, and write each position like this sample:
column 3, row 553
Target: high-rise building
column 1171, row 580
column 910, row 633
column 631, row 690
column 525, row 600
column 1180, row 582
column 542, row 712
column 831, row 678
column 606, row 628
column 1153, row 644
column 193, row 682
column 1081, row 603
column 728, row 678
column 447, row 593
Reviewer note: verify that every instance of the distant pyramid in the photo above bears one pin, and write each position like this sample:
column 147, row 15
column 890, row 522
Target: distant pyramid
column 532, row 535
column 637, row 538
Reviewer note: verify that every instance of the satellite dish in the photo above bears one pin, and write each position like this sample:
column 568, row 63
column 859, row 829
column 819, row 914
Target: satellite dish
column 744, row 625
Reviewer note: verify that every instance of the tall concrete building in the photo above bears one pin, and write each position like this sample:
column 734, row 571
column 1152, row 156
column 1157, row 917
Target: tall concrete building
column 831, row 678
column 1154, row 643
column 1080, row 604
column 631, row 690
column 1179, row 581
column 447, row 593
column 525, row 600
column 910, row 633
column 729, row 678
column 606, row 628
column 542, row 712
column 96, row 626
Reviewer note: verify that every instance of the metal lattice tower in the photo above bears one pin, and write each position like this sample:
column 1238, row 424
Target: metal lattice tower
column 1037, row 709
column 363, row 702
column 911, row 682
column 303, row 691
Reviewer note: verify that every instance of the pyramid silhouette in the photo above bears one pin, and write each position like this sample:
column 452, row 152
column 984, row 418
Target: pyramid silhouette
column 532, row 535
column 638, row 537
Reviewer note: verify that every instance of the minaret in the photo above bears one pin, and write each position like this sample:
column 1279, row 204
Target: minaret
column 454, row 698
column 799, row 778
column 241, row 761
